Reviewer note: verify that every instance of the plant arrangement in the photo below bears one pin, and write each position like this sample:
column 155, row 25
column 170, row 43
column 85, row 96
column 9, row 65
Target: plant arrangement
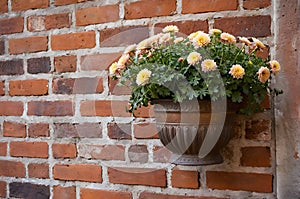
column 214, row 65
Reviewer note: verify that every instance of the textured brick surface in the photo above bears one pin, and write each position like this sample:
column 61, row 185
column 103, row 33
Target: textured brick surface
column 64, row 192
column 14, row 129
column 38, row 170
column 185, row 179
column 39, row 65
column 28, row 44
column 256, row 156
column 64, row 150
column 11, row 67
column 18, row 5
column 50, row 108
column 88, row 130
column 38, row 130
column 11, row 25
column 65, row 63
column 193, row 6
column 29, row 149
column 95, row 193
column 12, row 169
column 28, row 190
column 28, row 87
column 13, row 108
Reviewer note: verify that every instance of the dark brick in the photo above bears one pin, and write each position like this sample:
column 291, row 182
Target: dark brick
column 39, row 65
column 12, row 25
column 51, row 108
column 28, row 191
column 138, row 153
column 119, row 131
column 2, row 47
column 88, row 130
column 11, row 67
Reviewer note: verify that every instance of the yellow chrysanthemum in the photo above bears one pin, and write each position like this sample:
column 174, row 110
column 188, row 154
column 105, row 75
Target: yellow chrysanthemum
column 275, row 66
column 170, row 28
column 263, row 74
column 208, row 65
column 228, row 37
column 193, row 58
column 193, row 35
column 237, row 71
column 215, row 31
column 113, row 68
column 201, row 39
column 258, row 43
column 143, row 77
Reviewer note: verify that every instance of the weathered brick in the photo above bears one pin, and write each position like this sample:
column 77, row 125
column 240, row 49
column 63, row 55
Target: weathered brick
column 103, row 152
column 11, row 25
column 138, row 153
column 3, row 148
column 185, row 179
column 97, row 193
column 144, row 111
column 38, row 130
column 65, row 63
column 29, row 149
column 3, row 189
column 2, row 47
column 145, row 131
column 12, row 168
column 88, row 130
column 149, row 195
column 61, row 20
column 22, row 5
column 116, row 89
column 185, row 27
column 28, row 87
column 251, row 26
column 97, row 15
column 64, row 150
column 256, row 156
column 123, row 36
column 28, row 190
column 73, row 41
column 2, row 88
column 255, row 182
column 36, row 170
column 64, row 2
column 145, row 9
column 28, row 44
column 119, row 131
column 3, row 6
column 258, row 130
column 98, row 62
column 254, row 4
column 114, row 108
column 39, row 65
column 11, row 67
column 11, row 108
column 138, row 176
column 14, row 129
column 84, row 85
column 36, row 23
column 161, row 154
column 78, row 172
column 51, row 108
column 64, row 192
column 193, row 6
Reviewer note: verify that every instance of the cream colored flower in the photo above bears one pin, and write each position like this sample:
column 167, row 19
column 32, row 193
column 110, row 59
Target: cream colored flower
column 258, row 43
column 122, row 61
column 130, row 49
column 215, row 31
column 164, row 38
column 194, row 58
column 170, row 28
column 193, row 35
column 275, row 66
column 113, row 68
column 208, row 65
column 263, row 74
column 228, row 37
column 201, row 39
column 179, row 39
column 237, row 71
column 143, row 77
column 245, row 40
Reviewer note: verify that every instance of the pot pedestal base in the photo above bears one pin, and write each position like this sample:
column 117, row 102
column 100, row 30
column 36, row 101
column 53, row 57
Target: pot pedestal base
column 193, row 160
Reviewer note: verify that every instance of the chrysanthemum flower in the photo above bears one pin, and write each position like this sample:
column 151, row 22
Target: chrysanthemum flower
column 143, row 77
column 193, row 35
column 237, row 71
column 113, row 68
column 201, row 39
column 130, row 49
column 194, row 58
column 170, row 28
column 245, row 40
column 263, row 74
column 275, row 66
column 208, row 65
column 228, row 37
column 122, row 61
column 258, row 43
column 215, row 31
column 178, row 39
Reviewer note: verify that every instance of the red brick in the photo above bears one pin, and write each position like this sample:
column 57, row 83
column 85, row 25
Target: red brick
column 38, row 170
column 123, row 36
column 64, row 150
column 251, row 26
column 11, row 67
column 29, row 149
column 78, row 172
column 254, row 4
column 14, row 129
column 138, row 176
column 258, row 130
column 22, row 5
column 98, row 61
column 61, row 20
column 35, row 23
column 84, row 85
column 11, row 25
column 254, row 182
column 28, row 44
column 3, row 6
column 114, row 108
column 2, row 88
column 65, row 63
column 97, row 15
column 145, row 9
column 85, row 130
column 145, row 131
column 28, row 87
column 103, row 152
column 149, row 195
column 185, row 179
column 119, row 131
column 256, row 156
column 73, row 41
column 193, row 6
column 64, row 2
column 11, row 108
column 64, row 192
column 96, row 193
column 185, row 27
column 116, row 89
column 12, row 168
column 144, row 111
column 3, row 189
column 38, row 130
column 3, row 148
column 39, row 65
column 161, row 154
column 138, row 153
column 51, row 108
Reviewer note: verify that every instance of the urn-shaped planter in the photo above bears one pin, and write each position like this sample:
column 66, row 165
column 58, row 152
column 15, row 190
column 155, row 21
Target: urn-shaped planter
column 194, row 131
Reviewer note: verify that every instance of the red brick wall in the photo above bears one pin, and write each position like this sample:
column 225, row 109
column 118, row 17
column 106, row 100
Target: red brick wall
column 64, row 129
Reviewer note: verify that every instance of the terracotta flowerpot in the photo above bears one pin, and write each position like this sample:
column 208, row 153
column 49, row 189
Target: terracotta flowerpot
column 194, row 131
